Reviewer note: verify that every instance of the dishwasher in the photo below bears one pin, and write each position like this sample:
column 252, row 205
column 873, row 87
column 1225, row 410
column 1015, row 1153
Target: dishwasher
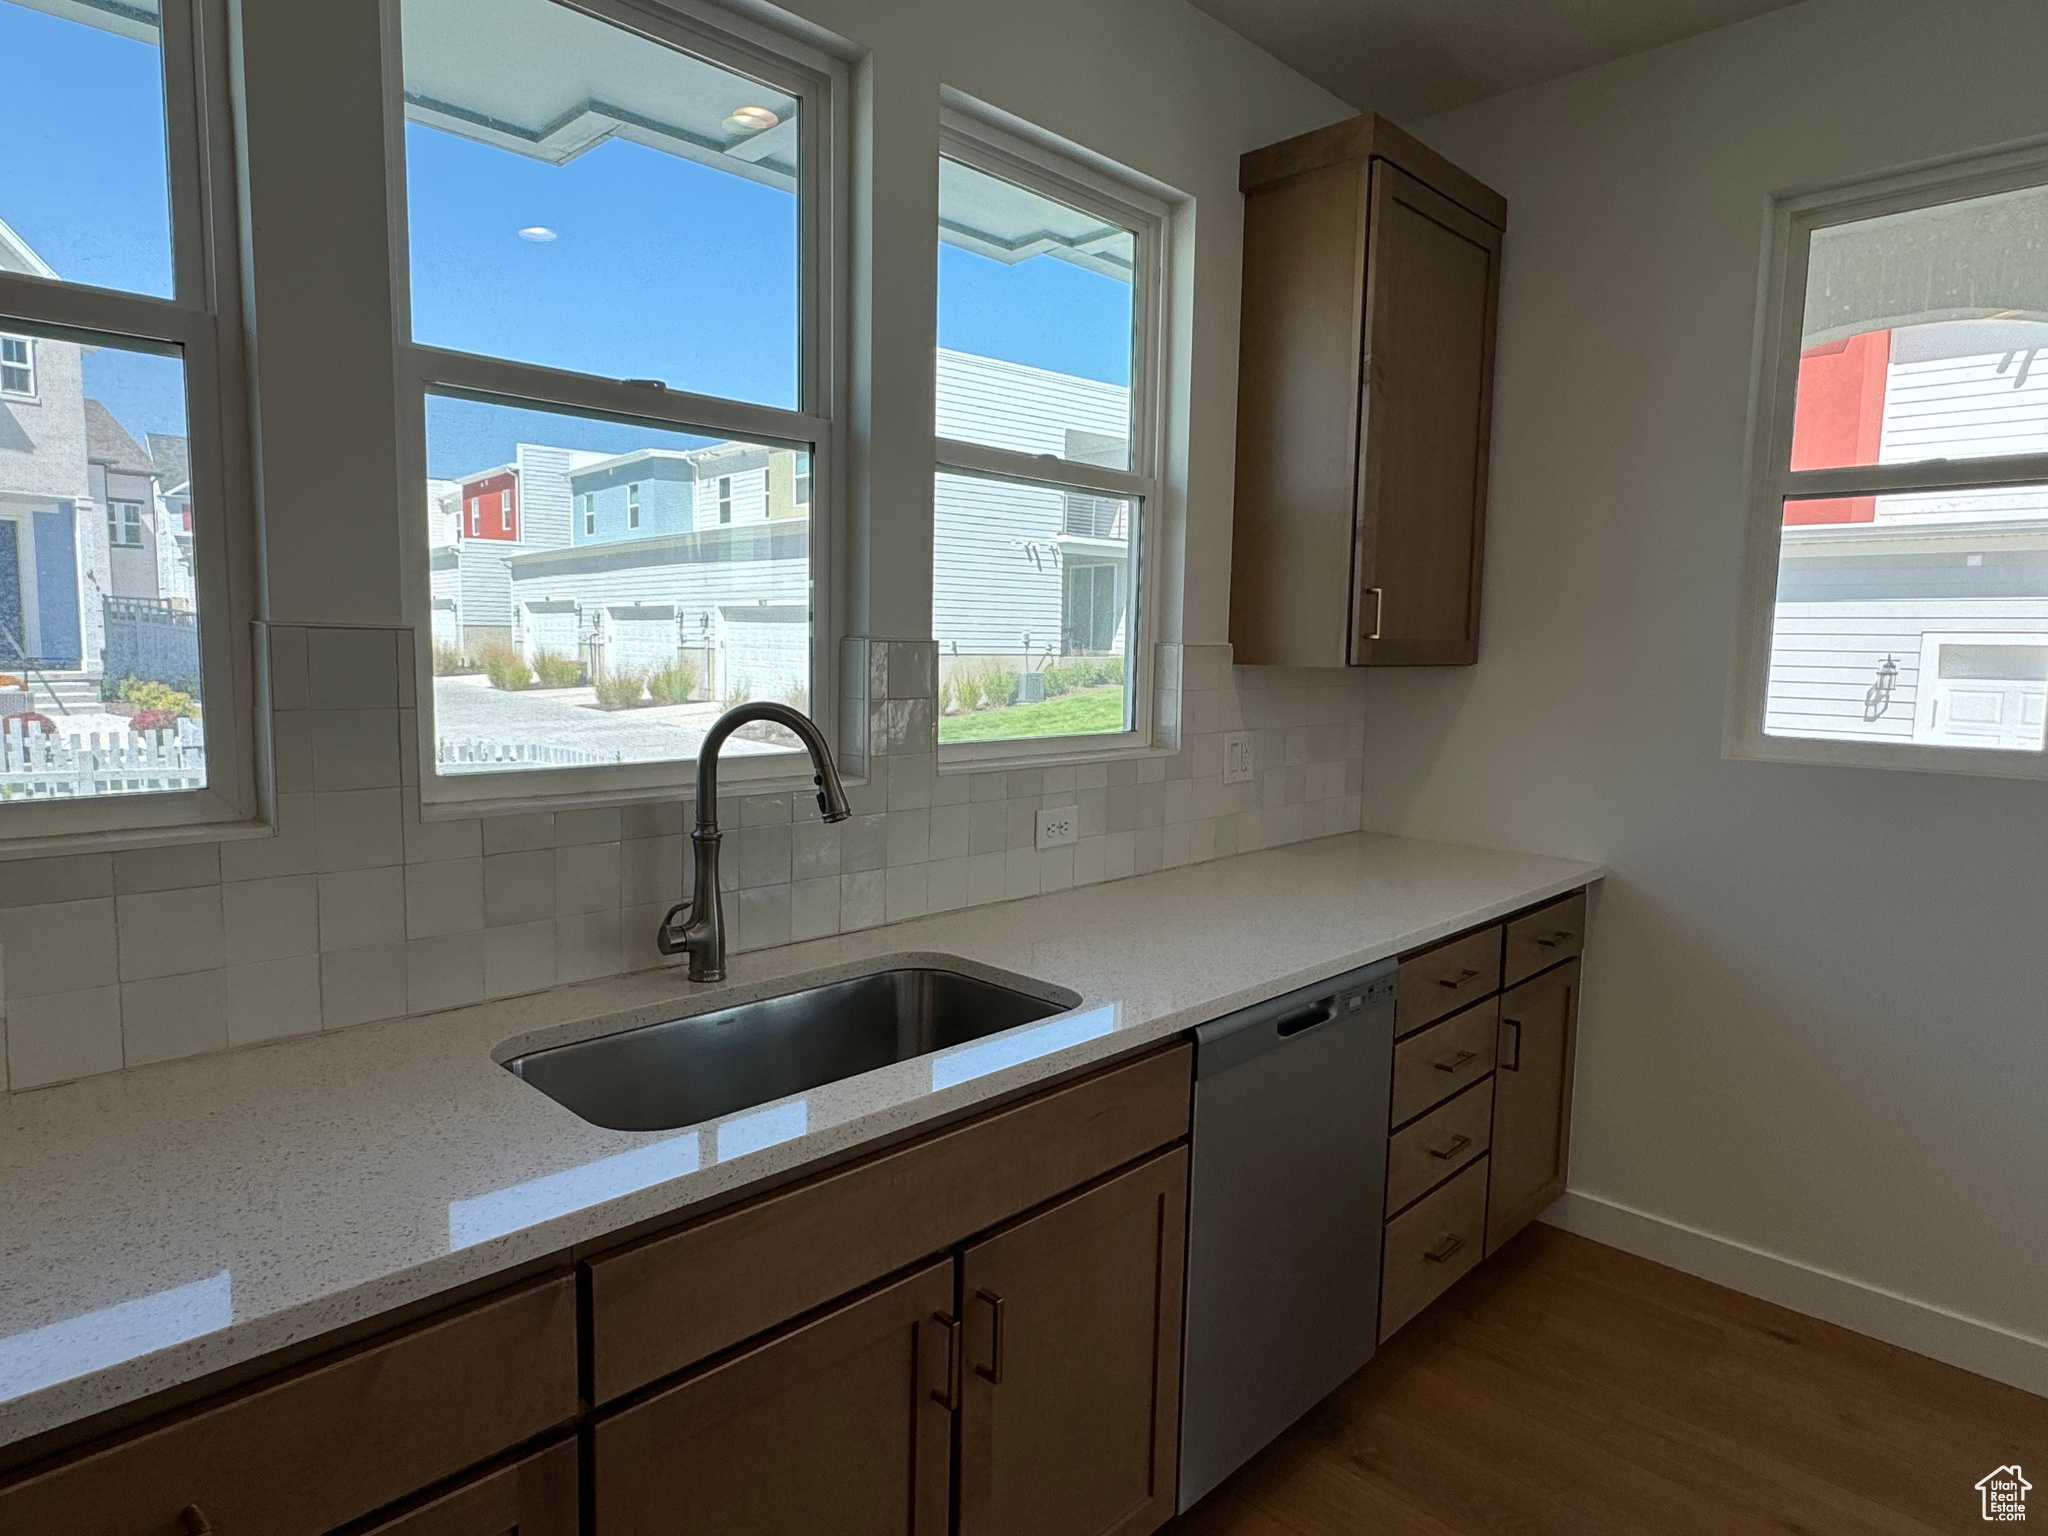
column 1285, row 1202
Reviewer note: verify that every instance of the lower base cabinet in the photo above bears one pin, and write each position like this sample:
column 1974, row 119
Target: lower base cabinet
column 534, row 1496
column 1069, row 1419
column 842, row 1425
column 1532, row 1100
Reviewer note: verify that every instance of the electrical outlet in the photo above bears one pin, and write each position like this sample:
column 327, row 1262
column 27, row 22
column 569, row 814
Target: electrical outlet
column 1237, row 757
column 1058, row 827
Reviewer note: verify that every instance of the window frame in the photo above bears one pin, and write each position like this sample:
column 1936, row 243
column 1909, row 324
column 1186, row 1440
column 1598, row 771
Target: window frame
column 1075, row 176
column 1774, row 387
column 28, row 366
column 200, row 324
column 129, row 519
column 816, row 424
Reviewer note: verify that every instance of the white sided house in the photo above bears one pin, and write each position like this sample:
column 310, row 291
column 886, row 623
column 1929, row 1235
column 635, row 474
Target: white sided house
column 500, row 513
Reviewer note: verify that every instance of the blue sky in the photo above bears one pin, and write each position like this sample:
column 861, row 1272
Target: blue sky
column 661, row 268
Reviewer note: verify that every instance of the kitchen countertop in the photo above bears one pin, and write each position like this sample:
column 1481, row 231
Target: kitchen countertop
column 159, row 1225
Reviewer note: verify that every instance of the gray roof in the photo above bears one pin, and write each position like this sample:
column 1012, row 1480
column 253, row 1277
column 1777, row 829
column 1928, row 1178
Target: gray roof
column 107, row 442
column 173, row 459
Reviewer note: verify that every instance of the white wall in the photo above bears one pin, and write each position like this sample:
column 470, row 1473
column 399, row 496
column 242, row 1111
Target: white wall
column 1816, row 1022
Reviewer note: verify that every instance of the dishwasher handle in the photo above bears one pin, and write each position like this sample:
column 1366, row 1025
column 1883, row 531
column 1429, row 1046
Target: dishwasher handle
column 1251, row 1032
column 1306, row 1018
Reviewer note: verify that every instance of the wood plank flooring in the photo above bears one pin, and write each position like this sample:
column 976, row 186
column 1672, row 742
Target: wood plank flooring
column 1566, row 1387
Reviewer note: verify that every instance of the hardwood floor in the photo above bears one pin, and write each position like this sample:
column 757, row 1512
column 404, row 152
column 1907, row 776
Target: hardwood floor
column 1566, row 1387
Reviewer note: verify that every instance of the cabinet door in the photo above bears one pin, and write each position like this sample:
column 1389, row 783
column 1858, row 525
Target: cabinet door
column 1432, row 283
column 1070, row 1418
column 840, row 1425
column 535, row 1496
column 1532, row 1100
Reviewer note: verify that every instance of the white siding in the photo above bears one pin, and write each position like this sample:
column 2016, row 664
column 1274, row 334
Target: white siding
column 1028, row 410
column 995, row 575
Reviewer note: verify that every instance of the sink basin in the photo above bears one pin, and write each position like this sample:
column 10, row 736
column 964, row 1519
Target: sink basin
column 686, row 1071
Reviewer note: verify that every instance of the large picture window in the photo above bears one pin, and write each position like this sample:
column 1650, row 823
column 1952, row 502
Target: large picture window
column 1898, row 578
column 120, row 665
column 1047, row 401
column 616, row 234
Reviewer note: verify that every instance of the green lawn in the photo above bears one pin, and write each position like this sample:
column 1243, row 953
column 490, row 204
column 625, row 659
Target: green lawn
column 1087, row 713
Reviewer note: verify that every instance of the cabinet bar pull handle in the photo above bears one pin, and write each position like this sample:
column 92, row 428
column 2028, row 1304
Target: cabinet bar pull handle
column 1452, row 1148
column 1456, row 1063
column 1512, row 1060
column 1462, row 977
column 195, row 1521
column 1379, row 611
column 1449, row 1244
column 992, row 1373
column 949, row 1399
column 1555, row 939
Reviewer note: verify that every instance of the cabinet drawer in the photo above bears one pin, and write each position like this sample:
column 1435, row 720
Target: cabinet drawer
column 1543, row 937
column 534, row 1496
column 1431, row 1066
column 672, row 1300
column 1439, row 1144
column 1445, row 979
column 328, row 1444
column 1430, row 1245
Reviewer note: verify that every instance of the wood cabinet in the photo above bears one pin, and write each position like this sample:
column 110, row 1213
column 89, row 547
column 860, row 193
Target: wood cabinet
column 1365, row 386
column 1479, row 1130
column 534, row 1496
column 1532, row 1100
column 1069, row 1420
column 843, row 1424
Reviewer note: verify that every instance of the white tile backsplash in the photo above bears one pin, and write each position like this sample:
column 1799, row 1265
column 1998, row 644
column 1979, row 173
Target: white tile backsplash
column 359, row 909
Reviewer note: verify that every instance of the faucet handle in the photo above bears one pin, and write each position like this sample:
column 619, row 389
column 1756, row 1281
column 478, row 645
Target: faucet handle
column 662, row 939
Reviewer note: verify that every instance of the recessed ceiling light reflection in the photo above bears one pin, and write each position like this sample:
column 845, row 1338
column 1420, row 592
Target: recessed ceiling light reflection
column 539, row 234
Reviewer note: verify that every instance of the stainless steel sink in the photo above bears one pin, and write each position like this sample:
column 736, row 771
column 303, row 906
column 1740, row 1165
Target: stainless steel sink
column 687, row 1071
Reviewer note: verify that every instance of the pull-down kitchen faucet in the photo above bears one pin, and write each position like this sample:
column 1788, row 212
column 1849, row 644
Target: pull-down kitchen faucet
column 697, row 927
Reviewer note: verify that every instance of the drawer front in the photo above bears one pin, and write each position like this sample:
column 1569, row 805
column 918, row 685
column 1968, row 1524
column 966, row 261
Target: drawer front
column 1430, row 1245
column 1447, row 978
column 1543, row 937
column 328, row 1444
column 535, row 1496
column 1431, row 1066
column 669, row 1301
column 1432, row 1149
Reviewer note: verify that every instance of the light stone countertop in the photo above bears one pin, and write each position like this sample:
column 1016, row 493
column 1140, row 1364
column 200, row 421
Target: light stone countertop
column 162, row 1224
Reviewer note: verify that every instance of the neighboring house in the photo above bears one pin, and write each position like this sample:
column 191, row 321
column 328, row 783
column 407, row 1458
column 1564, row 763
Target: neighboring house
column 1017, row 568
column 504, row 512
column 175, row 574
column 123, row 481
column 1917, row 617
column 53, row 553
column 444, row 561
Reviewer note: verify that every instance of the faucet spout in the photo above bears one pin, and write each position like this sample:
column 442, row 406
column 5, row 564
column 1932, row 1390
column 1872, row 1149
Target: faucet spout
column 697, row 927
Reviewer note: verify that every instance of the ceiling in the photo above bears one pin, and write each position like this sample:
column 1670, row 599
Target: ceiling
column 1410, row 58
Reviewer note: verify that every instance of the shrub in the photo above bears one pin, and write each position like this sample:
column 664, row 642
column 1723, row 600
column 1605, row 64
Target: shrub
column 9, row 680
column 1112, row 670
column 999, row 687
column 949, row 696
column 621, row 689
column 144, row 720
column 158, row 697
column 505, row 667
column 675, row 683
column 449, row 660
column 31, row 722
column 798, row 699
column 558, row 671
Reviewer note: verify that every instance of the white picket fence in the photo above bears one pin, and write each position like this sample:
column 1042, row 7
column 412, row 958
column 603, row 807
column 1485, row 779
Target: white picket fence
column 36, row 764
column 481, row 756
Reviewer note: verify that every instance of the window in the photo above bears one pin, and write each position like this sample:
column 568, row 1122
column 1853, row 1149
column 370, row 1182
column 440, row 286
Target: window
column 124, row 524
column 1049, row 285
column 800, row 493
column 1897, row 586
column 18, row 366
column 505, row 511
column 615, row 225
column 119, row 306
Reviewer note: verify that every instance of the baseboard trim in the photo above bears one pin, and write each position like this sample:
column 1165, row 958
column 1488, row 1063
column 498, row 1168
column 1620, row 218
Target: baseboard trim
column 1920, row 1326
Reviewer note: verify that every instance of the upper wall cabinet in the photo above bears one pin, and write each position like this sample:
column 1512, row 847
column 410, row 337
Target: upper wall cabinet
column 1365, row 387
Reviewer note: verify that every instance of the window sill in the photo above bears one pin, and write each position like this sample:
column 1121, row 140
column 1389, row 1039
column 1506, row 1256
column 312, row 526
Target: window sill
column 794, row 777
column 1044, row 752
column 1905, row 757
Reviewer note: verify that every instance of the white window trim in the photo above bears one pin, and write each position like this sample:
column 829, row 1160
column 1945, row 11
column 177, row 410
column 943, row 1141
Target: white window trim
column 817, row 426
column 1071, row 175
column 1781, row 312
column 28, row 366
column 202, row 326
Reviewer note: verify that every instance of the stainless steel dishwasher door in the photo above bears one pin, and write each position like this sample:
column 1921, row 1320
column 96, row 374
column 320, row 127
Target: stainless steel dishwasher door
column 1285, row 1208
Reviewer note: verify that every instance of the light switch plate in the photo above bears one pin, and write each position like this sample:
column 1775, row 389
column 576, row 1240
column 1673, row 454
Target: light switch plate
column 1237, row 757
column 1058, row 827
